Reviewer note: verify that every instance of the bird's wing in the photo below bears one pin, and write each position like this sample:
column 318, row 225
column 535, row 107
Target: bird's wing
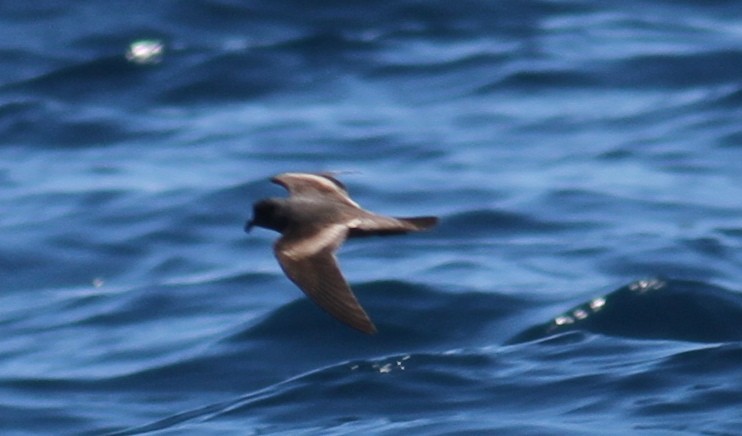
column 305, row 184
column 309, row 261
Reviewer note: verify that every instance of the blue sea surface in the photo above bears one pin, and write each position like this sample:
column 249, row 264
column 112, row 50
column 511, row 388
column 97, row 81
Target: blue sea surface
column 585, row 159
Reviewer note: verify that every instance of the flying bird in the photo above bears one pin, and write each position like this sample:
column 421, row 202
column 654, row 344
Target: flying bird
column 314, row 221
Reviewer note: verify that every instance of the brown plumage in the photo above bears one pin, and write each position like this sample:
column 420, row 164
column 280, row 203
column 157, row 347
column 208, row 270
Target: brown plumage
column 314, row 222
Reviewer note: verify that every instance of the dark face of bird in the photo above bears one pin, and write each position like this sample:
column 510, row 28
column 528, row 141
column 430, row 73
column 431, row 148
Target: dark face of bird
column 269, row 214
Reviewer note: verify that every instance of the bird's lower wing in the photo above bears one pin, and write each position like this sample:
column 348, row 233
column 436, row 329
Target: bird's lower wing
column 318, row 275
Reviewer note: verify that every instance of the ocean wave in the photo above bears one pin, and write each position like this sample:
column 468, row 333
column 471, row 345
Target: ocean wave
column 567, row 146
column 515, row 384
column 653, row 309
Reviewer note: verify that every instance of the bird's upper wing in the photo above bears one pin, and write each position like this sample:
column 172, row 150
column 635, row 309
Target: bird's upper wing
column 305, row 184
column 309, row 261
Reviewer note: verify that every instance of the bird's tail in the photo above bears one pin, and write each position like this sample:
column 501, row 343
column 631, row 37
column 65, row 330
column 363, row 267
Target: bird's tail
column 378, row 225
column 420, row 222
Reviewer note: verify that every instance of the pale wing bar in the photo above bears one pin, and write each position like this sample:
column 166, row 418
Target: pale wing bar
column 301, row 185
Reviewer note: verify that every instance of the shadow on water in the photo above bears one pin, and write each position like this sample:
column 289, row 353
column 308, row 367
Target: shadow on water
column 414, row 316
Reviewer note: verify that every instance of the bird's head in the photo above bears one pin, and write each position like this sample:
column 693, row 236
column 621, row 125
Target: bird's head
column 270, row 213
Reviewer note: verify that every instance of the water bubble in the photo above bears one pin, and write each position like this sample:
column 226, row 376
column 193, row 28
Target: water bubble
column 563, row 320
column 145, row 51
column 597, row 304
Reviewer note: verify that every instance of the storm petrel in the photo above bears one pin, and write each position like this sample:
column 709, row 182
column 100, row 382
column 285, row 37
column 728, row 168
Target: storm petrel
column 314, row 221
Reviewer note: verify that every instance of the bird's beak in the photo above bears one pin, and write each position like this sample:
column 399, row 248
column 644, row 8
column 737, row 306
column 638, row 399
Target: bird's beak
column 249, row 225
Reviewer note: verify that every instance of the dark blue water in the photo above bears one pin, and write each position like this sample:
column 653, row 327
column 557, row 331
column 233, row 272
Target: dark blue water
column 585, row 158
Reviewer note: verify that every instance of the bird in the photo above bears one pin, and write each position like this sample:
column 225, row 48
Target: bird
column 314, row 221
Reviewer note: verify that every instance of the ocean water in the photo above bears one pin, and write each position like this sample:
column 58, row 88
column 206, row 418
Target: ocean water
column 585, row 159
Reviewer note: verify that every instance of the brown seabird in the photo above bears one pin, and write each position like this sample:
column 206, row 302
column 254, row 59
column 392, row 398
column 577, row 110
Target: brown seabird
column 314, row 221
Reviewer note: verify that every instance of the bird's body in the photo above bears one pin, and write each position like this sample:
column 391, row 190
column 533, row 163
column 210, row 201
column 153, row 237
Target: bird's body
column 314, row 221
